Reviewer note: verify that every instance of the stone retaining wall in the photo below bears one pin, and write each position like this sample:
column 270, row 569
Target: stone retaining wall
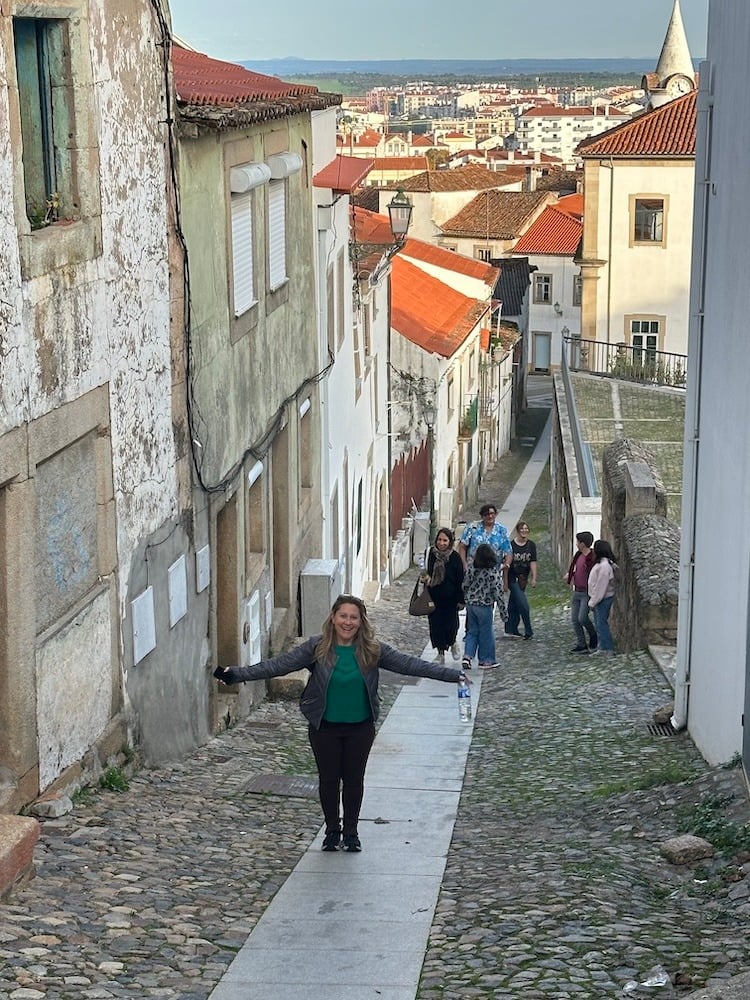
column 646, row 544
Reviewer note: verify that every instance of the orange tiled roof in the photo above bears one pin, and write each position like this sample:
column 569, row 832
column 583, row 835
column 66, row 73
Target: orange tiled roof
column 415, row 163
column 219, row 95
column 430, row 313
column 428, row 253
column 199, row 79
column 552, row 111
column 468, row 178
column 665, row 131
column 499, row 215
column 554, row 232
column 343, row 173
column 572, row 204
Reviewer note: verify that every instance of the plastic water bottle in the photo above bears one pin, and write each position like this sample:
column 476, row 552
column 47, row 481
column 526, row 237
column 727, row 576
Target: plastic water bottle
column 464, row 700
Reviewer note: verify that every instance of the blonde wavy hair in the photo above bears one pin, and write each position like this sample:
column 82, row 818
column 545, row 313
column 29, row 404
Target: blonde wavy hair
column 366, row 646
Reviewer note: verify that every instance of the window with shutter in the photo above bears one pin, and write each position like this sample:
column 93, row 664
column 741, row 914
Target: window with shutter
column 243, row 276
column 276, row 234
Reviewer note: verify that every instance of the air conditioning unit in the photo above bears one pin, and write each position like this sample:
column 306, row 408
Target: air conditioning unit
column 320, row 585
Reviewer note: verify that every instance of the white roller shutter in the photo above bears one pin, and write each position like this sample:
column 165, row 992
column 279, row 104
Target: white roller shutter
column 276, row 233
column 243, row 279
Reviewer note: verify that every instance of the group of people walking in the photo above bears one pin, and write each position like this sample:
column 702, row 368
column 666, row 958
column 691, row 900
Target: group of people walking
column 487, row 565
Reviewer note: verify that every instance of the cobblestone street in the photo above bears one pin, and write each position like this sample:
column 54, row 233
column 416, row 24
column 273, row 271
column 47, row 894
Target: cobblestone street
column 554, row 887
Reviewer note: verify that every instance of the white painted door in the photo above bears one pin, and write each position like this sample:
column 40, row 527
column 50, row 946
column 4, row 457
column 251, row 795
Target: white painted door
column 540, row 351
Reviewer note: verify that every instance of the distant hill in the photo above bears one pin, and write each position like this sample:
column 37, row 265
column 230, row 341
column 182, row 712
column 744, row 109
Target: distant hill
column 425, row 68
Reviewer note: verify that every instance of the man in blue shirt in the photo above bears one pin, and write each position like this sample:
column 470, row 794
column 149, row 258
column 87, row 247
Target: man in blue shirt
column 488, row 532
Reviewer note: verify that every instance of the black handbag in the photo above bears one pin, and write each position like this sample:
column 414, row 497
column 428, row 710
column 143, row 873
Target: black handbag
column 421, row 603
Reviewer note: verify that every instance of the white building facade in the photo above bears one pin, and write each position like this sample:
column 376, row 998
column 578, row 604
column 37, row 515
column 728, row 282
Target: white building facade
column 713, row 659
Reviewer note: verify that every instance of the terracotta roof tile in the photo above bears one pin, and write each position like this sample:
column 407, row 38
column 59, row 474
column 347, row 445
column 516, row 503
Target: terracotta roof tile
column 552, row 111
column 665, row 131
column 572, row 204
column 428, row 253
column 205, row 83
column 469, row 178
column 416, row 163
column 498, row 215
column 430, row 313
column 343, row 173
column 554, row 232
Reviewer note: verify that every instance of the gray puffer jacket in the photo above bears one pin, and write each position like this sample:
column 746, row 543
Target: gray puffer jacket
column 313, row 700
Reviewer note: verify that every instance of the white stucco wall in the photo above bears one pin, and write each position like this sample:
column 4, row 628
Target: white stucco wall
column 542, row 315
column 353, row 413
column 73, row 692
column 644, row 280
column 712, row 660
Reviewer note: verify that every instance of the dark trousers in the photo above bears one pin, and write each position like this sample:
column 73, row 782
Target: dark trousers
column 341, row 750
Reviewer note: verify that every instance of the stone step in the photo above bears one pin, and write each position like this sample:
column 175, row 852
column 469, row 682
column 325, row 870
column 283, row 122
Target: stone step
column 18, row 837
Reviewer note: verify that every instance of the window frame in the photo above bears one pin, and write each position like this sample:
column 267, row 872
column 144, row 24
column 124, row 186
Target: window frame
column 637, row 201
column 76, row 235
column 541, row 300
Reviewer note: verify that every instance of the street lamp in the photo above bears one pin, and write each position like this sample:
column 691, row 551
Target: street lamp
column 399, row 212
column 429, row 412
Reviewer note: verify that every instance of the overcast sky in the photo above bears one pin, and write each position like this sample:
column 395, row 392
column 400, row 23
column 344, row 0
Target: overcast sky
column 434, row 29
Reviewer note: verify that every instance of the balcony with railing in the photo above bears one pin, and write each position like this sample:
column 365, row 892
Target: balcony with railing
column 632, row 364
column 469, row 420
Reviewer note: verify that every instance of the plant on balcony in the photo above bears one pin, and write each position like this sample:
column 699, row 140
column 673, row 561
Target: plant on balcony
column 468, row 422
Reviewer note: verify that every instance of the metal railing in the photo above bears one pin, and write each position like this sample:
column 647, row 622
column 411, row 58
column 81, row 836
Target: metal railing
column 632, row 364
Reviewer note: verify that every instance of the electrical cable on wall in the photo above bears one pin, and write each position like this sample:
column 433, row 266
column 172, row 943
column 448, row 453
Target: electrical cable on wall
column 260, row 447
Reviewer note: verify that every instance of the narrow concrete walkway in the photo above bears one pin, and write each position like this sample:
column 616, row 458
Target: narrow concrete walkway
column 353, row 926
column 512, row 510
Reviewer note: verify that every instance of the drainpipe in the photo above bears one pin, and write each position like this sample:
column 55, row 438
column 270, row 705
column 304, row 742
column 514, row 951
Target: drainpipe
column 611, row 168
column 693, row 399
column 325, row 224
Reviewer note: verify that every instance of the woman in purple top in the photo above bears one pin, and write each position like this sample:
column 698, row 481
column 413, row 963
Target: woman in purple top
column 578, row 578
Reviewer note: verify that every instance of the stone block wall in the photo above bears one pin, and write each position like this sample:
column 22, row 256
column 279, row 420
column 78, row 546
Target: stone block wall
column 646, row 545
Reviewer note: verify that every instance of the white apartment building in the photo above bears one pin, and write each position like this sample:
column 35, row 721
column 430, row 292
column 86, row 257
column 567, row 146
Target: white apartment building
column 546, row 128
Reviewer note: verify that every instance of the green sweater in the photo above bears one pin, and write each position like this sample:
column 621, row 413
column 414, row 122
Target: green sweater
column 346, row 697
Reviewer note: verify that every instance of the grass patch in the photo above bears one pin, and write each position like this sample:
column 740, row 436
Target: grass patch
column 83, row 796
column 708, row 819
column 114, row 780
column 668, row 774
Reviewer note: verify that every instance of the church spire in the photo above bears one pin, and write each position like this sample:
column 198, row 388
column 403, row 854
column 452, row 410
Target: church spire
column 675, row 53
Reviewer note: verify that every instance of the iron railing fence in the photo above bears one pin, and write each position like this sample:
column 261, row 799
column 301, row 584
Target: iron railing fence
column 632, row 364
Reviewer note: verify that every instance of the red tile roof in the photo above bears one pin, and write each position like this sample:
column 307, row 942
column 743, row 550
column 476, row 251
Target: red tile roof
column 554, row 232
column 572, row 204
column 469, row 178
column 199, row 79
column 203, row 82
column 667, row 131
column 552, row 111
column 413, row 163
column 343, row 173
column 429, row 313
column 498, row 215
column 428, row 253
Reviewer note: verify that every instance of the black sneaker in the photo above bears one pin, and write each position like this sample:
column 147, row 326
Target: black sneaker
column 351, row 842
column 580, row 649
column 593, row 643
column 332, row 840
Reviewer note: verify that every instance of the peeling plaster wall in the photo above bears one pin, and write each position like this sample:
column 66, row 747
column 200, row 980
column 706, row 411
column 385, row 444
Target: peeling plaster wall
column 129, row 84
column 74, row 692
column 85, row 349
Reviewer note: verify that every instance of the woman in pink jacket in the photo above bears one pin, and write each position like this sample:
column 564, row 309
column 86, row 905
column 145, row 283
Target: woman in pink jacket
column 601, row 587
